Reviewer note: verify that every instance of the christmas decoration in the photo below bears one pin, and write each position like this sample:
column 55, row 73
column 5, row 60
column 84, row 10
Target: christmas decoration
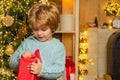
column 112, row 8
column 9, row 50
column 13, row 30
column 8, row 20
column 83, row 60
column 70, row 68
column 96, row 21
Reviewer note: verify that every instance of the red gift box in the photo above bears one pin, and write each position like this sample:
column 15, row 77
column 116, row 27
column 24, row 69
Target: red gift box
column 70, row 68
column 23, row 72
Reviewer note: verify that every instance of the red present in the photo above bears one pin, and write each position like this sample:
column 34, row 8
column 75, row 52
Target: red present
column 23, row 72
column 70, row 68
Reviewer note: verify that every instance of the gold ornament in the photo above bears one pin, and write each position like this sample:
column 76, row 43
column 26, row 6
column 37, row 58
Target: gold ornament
column 9, row 50
column 22, row 32
column 10, row 4
column 8, row 20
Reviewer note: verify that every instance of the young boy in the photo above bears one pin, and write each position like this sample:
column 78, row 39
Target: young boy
column 43, row 19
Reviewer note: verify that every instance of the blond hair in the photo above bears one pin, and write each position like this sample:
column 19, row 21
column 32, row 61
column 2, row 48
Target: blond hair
column 41, row 15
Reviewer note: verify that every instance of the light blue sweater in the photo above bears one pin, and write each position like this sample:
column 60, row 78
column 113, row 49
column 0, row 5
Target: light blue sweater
column 52, row 54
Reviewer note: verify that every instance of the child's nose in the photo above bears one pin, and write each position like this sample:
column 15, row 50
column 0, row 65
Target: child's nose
column 39, row 32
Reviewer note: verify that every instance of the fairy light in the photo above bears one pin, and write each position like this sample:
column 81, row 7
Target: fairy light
column 112, row 8
column 110, row 26
column 44, row 1
column 83, row 60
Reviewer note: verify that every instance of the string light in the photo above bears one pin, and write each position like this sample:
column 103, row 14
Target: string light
column 83, row 60
column 44, row 1
column 112, row 8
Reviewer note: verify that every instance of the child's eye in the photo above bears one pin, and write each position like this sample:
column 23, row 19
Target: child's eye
column 43, row 29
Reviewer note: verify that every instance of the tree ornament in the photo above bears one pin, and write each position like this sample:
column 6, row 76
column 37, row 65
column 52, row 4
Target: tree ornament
column 9, row 50
column 22, row 32
column 96, row 21
column 5, row 71
column 8, row 20
column 10, row 4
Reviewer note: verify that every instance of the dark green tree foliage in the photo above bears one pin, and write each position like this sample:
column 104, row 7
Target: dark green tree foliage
column 96, row 21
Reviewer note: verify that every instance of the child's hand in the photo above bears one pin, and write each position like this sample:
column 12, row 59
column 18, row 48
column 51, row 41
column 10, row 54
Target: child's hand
column 26, row 54
column 35, row 68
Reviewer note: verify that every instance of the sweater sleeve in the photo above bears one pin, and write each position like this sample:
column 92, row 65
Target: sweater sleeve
column 14, row 59
column 56, row 69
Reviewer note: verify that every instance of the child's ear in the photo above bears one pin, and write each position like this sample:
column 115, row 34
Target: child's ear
column 53, row 31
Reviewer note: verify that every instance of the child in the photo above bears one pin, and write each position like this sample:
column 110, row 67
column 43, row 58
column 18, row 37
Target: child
column 43, row 19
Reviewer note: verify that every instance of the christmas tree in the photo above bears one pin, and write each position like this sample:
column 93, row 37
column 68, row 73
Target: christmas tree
column 96, row 21
column 13, row 30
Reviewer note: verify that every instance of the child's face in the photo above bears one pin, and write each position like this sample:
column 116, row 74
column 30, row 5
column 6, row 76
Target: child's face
column 42, row 34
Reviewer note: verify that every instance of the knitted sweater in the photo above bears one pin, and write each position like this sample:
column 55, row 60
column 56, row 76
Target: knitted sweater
column 52, row 54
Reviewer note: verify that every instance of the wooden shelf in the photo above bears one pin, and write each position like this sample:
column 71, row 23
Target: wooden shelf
column 67, row 34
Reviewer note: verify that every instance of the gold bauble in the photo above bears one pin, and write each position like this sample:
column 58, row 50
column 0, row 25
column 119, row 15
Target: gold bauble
column 8, row 20
column 9, row 50
column 22, row 32
column 4, row 71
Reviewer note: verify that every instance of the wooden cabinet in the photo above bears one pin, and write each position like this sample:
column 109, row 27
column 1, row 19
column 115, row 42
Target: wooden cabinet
column 68, row 31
